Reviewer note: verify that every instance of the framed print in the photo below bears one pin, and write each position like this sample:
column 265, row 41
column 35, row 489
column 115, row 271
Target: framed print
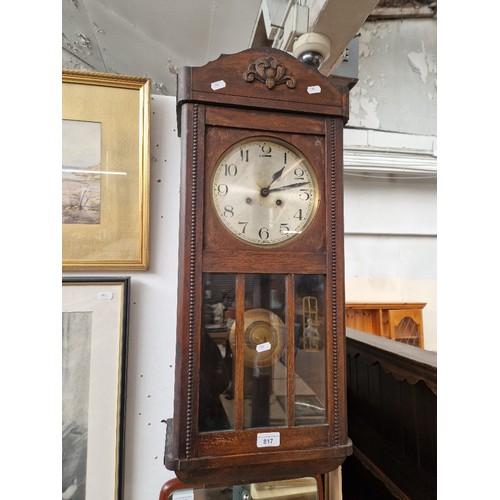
column 105, row 171
column 94, row 354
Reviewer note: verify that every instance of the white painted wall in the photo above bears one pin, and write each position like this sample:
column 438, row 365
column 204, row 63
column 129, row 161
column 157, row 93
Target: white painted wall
column 397, row 77
column 390, row 221
column 391, row 169
column 390, row 244
column 153, row 312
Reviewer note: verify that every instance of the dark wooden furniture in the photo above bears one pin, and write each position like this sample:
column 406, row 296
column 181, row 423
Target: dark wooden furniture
column 260, row 403
column 392, row 406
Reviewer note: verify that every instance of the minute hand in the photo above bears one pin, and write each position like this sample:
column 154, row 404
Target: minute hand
column 289, row 186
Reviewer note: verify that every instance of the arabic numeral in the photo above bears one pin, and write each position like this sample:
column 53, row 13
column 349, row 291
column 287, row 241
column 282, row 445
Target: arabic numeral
column 263, row 233
column 284, row 229
column 244, row 224
column 299, row 173
column 304, row 194
column 230, row 169
column 222, row 189
column 228, row 211
column 266, row 151
column 244, row 155
column 298, row 215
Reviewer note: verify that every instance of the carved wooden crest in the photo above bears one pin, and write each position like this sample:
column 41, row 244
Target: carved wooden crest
column 269, row 71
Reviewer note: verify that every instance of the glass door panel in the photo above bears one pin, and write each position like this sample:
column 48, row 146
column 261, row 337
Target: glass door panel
column 265, row 348
column 216, row 405
column 310, row 370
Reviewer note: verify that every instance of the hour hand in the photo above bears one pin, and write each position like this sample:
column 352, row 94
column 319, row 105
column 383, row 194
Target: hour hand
column 276, row 176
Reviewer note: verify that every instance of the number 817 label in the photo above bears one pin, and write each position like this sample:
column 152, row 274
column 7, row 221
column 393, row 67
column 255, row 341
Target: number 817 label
column 266, row 439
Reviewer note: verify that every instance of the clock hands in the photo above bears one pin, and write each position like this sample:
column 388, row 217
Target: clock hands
column 265, row 191
column 283, row 188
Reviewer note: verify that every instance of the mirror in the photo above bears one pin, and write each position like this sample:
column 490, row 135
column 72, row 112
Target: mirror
column 305, row 488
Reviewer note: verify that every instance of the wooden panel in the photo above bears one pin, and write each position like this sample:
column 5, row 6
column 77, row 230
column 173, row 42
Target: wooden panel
column 375, row 394
column 364, row 320
column 280, row 262
column 288, row 93
column 244, row 442
column 253, row 119
column 409, row 422
column 427, row 411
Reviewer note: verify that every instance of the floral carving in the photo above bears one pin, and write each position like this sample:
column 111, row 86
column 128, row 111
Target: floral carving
column 270, row 72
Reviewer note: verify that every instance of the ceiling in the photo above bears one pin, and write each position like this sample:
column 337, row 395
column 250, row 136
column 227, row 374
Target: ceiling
column 154, row 38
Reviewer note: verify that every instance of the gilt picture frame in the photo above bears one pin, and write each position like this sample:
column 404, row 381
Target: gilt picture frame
column 105, row 171
column 94, row 368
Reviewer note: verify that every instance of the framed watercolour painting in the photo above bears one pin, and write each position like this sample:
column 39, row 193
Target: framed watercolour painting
column 105, row 171
column 94, row 354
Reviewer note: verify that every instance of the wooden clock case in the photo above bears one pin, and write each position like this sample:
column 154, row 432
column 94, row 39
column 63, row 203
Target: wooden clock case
column 258, row 92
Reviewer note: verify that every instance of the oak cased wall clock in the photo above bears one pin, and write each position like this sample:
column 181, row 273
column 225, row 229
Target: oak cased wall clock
column 260, row 384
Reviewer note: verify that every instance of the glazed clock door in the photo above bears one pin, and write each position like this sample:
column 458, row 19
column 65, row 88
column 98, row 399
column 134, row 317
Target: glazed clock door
column 263, row 365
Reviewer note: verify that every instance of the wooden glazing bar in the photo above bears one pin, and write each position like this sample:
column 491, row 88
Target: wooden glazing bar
column 290, row 353
column 238, row 358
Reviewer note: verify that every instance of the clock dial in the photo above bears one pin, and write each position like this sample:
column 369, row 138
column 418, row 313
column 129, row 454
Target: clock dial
column 264, row 191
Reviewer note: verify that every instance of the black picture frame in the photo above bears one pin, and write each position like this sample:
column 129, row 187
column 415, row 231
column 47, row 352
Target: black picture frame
column 95, row 319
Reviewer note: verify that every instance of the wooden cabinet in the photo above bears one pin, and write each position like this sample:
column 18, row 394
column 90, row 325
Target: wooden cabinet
column 401, row 321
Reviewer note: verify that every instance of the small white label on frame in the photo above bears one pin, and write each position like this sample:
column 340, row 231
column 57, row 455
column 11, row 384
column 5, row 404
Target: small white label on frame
column 314, row 89
column 265, row 346
column 267, row 439
column 183, row 495
column 218, row 85
column 105, row 295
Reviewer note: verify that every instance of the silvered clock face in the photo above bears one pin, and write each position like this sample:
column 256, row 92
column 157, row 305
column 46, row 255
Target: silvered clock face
column 264, row 191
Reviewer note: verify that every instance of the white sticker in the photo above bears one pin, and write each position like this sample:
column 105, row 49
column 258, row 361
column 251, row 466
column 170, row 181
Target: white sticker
column 105, row 295
column 267, row 439
column 314, row 89
column 218, row 85
column 265, row 346
column 183, row 495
